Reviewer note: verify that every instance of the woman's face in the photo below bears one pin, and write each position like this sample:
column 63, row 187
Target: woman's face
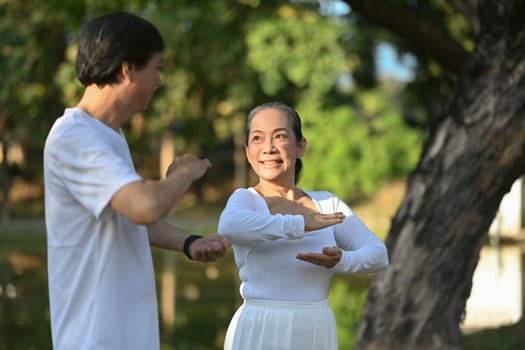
column 272, row 148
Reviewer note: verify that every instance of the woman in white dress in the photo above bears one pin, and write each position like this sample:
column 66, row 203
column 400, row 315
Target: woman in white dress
column 288, row 243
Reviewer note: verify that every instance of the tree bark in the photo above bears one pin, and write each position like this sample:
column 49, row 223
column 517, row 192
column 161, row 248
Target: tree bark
column 473, row 155
column 425, row 36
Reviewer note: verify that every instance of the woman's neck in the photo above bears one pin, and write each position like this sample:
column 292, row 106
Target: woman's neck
column 289, row 192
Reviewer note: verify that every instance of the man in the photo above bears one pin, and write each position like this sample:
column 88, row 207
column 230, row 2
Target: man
column 101, row 216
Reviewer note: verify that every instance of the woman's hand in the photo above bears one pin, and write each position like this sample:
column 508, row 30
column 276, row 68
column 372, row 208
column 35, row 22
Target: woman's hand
column 327, row 258
column 316, row 221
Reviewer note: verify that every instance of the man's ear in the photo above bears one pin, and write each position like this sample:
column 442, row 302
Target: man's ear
column 126, row 71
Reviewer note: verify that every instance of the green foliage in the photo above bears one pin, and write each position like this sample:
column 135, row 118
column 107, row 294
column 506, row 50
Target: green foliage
column 298, row 57
column 71, row 88
column 221, row 59
column 297, row 46
column 425, row 94
column 27, row 100
column 206, row 81
column 347, row 302
column 352, row 152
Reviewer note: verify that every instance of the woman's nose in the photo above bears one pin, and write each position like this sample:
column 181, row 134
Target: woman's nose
column 268, row 145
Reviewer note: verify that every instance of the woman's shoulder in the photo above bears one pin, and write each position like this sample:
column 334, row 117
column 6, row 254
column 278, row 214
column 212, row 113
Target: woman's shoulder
column 245, row 198
column 320, row 195
column 328, row 201
column 242, row 192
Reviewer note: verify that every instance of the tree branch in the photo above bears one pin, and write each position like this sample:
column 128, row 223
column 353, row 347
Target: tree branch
column 422, row 34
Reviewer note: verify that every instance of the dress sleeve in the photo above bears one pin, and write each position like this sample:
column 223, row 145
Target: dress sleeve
column 363, row 250
column 244, row 221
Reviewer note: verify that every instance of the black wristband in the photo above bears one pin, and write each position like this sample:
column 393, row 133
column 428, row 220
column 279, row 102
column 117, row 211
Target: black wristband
column 187, row 242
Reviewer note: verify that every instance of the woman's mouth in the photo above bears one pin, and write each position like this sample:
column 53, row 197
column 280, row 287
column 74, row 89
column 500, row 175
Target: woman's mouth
column 271, row 162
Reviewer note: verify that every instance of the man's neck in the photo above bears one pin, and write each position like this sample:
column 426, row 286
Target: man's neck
column 102, row 103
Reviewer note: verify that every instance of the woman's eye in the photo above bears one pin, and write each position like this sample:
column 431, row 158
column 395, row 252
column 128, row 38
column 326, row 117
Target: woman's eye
column 256, row 139
column 281, row 136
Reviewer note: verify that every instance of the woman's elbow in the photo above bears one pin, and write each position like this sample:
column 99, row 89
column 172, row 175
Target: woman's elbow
column 230, row 223
column 225, row 227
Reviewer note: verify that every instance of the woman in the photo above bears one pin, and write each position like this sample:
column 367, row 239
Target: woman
column 289, row 242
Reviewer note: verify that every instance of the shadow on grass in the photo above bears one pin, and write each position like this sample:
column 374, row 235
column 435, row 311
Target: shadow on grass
column 510, row 337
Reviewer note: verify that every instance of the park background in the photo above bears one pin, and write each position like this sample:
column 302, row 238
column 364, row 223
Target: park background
column 371, row 94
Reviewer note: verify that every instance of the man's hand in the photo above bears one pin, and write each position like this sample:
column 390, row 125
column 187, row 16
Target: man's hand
column 209, row 248
column 192, row 166
column 318, row 221
column 328, row 258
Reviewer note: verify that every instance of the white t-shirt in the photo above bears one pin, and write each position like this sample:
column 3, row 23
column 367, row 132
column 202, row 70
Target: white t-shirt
column 265, row 247
column 101, row 278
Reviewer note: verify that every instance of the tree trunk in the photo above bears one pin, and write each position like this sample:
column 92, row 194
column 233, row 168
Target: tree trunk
column 240, row 167
column 473, row 155
column 6, row 183
column 168, row 277
column 421, row 33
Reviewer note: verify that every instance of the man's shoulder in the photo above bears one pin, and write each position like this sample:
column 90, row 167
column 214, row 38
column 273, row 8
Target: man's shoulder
column 66, row 122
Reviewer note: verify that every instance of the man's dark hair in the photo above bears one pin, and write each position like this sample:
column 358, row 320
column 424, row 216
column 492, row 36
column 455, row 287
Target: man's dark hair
column 111, row 40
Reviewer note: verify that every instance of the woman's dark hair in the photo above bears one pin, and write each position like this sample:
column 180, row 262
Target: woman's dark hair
column 111, row 40
column 292, row 115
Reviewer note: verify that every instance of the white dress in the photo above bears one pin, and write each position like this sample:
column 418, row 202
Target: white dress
column 285, row 299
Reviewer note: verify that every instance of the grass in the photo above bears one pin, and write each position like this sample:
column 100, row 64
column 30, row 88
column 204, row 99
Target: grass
column 510, row 337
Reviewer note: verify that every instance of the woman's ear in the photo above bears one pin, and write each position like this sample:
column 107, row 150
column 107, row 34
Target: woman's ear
column 301, row 147
column 246, row 152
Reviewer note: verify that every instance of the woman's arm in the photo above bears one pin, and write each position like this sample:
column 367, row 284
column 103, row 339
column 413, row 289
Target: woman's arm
column 247, row 220
column 358, row 249
column 244, row 220
column 363, row 251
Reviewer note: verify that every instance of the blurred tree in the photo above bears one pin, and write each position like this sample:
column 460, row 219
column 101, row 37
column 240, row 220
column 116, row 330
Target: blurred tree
column 207, row 83
column 34, row 37
column 225, row 57
column 26, row 68
column 353, row 149
column 222, row 58
column 300, row 58
column 475, row 151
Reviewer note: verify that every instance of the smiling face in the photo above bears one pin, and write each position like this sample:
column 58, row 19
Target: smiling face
column 272, row 147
